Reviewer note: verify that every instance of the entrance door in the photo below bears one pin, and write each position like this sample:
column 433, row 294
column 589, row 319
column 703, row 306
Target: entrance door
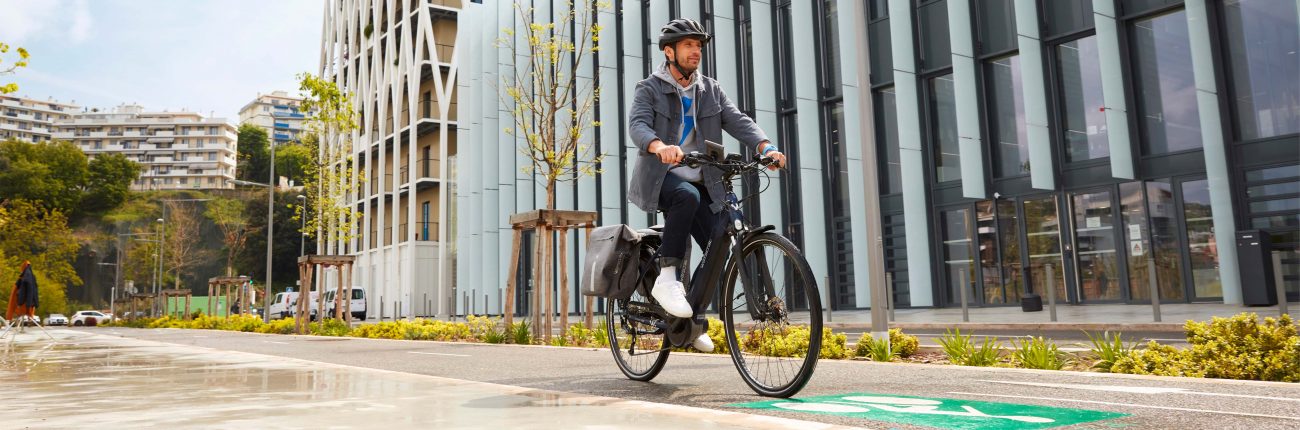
column 1097, row 262
column 1041, row 229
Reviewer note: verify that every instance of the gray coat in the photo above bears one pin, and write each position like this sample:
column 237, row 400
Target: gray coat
column 656, row 114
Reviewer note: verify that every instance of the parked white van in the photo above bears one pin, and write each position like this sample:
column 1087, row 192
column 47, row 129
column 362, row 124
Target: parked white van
column 280, row 305
column 293, row 304
column 357, row 305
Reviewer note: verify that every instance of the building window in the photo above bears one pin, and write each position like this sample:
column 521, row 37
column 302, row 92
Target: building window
column 879, row 9
column 1083, row 120
column 1094, row 238
column 1007, row 111
column 1263, row 55
column 1169, row 118
column 891, row 181
column 1274, row 194
column 943, row 113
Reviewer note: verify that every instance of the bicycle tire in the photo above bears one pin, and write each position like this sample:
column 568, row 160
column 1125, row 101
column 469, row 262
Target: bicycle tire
column 804, row 281
column 644, row 369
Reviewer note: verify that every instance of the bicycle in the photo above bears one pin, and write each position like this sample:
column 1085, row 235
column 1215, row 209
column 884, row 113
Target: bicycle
column 778, row 351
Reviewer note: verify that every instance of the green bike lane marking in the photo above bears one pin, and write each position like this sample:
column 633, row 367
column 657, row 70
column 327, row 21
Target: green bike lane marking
column 936, row 412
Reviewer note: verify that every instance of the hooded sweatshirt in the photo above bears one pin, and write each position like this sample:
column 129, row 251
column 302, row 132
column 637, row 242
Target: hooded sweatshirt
column 686, row 129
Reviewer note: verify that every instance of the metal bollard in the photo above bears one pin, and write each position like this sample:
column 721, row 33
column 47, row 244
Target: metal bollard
column 1279, row 284
column 829, row 317
column 485, row 304
column 381, row 308
column 965, row 306
column 889, row 289
column 1155, row 288
column 1051, row 290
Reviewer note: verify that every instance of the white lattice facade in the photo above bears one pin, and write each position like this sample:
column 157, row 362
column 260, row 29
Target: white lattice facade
column 396, row 59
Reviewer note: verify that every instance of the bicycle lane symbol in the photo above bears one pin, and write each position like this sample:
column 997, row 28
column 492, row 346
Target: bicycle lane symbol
column 937, row 412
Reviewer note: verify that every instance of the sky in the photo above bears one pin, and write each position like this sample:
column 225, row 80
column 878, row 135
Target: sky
column 206, row 56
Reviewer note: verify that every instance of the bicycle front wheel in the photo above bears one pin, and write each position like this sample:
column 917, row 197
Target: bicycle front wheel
column 772, row 313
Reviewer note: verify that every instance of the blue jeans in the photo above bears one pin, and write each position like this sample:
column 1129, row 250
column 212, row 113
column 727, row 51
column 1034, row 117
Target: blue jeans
column 686, row 214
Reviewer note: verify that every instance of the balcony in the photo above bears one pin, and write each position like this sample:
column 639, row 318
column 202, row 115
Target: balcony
column 428, row 168
column 282, row 125
column 282, row 136
column 375, row 184
column 424, row 232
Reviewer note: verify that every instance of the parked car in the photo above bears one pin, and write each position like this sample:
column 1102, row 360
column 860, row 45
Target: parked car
column 357, row 305
column 89, row 318
column 56, row 319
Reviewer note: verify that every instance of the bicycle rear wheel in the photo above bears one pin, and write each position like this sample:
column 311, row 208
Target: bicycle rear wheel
column 640, row 348
column 772, row 313
column 637, row 335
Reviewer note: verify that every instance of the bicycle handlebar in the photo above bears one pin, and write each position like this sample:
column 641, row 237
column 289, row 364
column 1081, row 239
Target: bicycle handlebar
column 733, row 165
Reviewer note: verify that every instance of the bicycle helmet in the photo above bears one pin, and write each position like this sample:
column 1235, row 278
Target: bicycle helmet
column 682, row 28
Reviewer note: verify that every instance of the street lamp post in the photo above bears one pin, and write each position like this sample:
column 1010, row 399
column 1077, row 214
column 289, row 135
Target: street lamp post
column 270, row 232
column 162, row 234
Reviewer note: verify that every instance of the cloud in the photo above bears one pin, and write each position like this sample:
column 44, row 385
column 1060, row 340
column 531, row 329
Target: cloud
column 81, row 23
column 25, row 21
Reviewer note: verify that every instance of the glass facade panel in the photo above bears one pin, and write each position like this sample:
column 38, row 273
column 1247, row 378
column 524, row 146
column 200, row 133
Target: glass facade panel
column 1163, row 212
column 1083, row 119
column 997, row 25
column 1162, row 58
column 891, row 181
column 986, row 229
column 1012, row 271
column 1263, row 50
column 1094, row 239
column 1043, row 234
column 1067, row 16
column 1202, row 252
column 1007, row 117
column 943, row 136
column 958, row 265
column 936, row 48
column 830, row 46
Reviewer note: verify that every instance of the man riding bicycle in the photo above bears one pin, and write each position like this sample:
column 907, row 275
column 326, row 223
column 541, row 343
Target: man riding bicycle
column 674, row 111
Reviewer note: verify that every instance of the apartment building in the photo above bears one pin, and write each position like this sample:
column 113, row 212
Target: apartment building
column 395, row 58
column 179, row 150
column 31, row 119
column 278, row 113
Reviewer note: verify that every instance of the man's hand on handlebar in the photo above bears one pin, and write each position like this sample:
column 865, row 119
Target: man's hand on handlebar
column 778, row 160
column 668, row 154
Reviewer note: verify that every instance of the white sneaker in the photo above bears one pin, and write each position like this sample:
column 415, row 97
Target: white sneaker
column 703, row 343
column 672, row 296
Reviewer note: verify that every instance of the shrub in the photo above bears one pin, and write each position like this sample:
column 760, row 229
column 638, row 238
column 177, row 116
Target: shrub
column 1239, row 347
column 961, row 350
column 792, row 341
column 602, row 334
column 380, row 330
column 329, row 327
column 520, row 333
column 718, row 334
column 1157, row 359
column 243, row 323
column 1037, row 353
column 875, row 349
column 578, row 335
column 481, row 326
column 280, row 326
column 1108, row 350
column 903, row 345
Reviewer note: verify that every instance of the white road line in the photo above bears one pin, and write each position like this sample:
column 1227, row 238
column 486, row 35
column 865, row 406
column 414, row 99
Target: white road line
column 272, row 341
column 438, row 353
column 1139, row 390
column 1128, row 405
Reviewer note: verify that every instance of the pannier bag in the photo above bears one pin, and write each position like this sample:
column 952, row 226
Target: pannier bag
column 613, row 262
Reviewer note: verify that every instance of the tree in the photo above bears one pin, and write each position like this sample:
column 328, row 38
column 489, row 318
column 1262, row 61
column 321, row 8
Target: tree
column 285, row 243
column 550, row 112
column 22, row 62
column 49, row 173
column 231, row 217
column 291, row 159
column 109, row 182
column 181, row 251
column 254, row 158
column 31, row 232
column 331, row 174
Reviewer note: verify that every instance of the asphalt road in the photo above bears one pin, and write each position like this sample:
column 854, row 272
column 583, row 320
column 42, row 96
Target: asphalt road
column 712, row 382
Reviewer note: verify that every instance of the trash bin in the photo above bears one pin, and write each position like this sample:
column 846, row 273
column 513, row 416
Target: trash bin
column 1031, row 302
column 1255, row 260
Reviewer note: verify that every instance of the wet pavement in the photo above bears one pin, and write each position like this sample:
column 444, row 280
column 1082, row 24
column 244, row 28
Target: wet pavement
column 84, row 379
